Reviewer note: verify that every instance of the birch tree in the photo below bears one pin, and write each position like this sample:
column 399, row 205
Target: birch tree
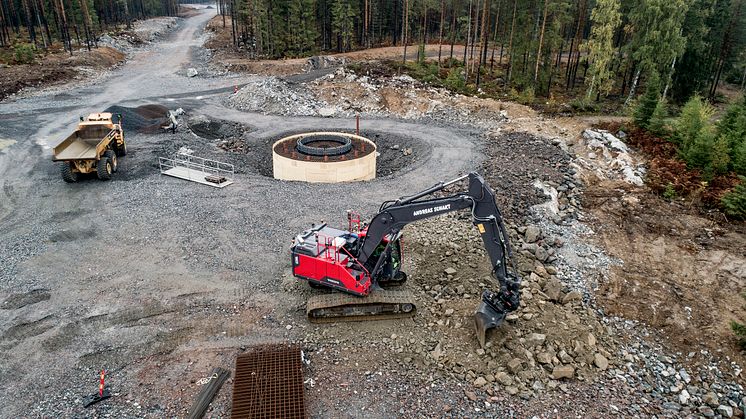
column 606, row 18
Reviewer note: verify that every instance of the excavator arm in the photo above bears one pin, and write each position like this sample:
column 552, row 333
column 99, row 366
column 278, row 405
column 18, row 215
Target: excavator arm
column 480, row 200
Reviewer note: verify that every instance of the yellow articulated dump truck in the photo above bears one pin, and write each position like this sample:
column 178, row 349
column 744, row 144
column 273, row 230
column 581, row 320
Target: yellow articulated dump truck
column 93, row 147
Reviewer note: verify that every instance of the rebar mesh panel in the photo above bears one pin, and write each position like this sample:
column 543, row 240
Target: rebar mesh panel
column 269, row 383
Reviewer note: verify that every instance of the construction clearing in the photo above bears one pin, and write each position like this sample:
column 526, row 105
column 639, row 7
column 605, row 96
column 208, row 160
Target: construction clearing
column 563, row 286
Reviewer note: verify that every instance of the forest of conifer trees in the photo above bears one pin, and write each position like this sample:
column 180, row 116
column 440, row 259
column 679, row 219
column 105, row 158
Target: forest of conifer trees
column 42, row 23
column 603, row 46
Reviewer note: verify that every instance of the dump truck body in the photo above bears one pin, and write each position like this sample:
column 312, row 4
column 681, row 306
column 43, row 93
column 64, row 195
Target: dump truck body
column 93, row 147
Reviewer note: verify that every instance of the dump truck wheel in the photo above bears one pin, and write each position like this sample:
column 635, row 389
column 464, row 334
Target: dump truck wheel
column 68, row 175
column 122, row 151
column 112, row 156
column 104, row 169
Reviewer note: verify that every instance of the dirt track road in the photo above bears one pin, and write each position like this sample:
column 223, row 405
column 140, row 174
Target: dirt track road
column 153, row 278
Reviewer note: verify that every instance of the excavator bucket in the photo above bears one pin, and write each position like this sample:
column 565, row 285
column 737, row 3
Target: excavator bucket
column 486, row 318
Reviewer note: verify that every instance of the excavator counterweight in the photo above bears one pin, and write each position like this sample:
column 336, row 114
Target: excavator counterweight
column 363, row 259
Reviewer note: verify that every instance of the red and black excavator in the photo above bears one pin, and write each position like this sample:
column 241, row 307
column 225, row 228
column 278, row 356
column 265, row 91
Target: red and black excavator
column 365, row 259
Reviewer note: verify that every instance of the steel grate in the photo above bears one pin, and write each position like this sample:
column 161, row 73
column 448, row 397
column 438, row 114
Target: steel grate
column 269, row 383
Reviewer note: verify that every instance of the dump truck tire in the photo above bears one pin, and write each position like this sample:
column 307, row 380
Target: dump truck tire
column 68, row 175
column 104, row 169
column 112, row 156
column 122, row 151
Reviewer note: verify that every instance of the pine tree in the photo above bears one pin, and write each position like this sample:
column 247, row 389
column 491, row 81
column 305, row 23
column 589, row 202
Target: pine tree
column 733, row 125
column 720, row 156
column 699, row 153
column 606, row 19
column 648, row 102
column 695, row 133
column 734, row 204
column 343, row 15
column 657, row 123
column 692, row 69
column 302, row 26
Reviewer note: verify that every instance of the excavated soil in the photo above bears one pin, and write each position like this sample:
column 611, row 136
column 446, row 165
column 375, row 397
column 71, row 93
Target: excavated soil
column 514, row 183
column 683, row 274
column 146, row 119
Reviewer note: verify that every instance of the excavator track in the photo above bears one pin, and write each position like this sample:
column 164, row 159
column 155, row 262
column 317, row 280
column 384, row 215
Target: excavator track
column 379, row 305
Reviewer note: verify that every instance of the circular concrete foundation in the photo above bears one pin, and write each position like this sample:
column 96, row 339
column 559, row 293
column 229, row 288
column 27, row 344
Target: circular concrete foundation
column 289, row 163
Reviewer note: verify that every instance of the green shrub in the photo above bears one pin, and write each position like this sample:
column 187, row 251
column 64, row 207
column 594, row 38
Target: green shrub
column 451, row 62
column 455, row 80
column 732, row 128
column 647, row 104
column 582, row 104
column 23, row 53
column 527, row 96
column 698, row 152
column 734, row 202
column 720, row 156
column 695, row 133
column 740, row 332
column 734, row 119
column 670, row 192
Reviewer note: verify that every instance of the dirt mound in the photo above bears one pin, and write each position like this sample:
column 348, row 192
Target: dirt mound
column 186, row 11
column 539, row 159
column 274, row 96
column 146, row 119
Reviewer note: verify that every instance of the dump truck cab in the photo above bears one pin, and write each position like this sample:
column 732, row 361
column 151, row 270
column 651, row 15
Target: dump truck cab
column 94, row 147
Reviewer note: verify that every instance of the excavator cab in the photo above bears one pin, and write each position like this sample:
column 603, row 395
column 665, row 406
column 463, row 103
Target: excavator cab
column 389, row 271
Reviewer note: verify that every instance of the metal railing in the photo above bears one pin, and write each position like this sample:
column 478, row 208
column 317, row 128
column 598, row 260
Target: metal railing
column 204, row 167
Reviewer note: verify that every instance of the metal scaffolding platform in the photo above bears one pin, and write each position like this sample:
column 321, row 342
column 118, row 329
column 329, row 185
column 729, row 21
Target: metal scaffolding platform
column 197, row 169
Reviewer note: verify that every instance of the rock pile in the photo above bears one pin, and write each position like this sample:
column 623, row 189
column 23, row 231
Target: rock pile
column 271, row 95
column 319, row 62
column 550, row 339
column 620, row 164
column 555, row 339
column 401, row 97
column 683, row 390
column 344, row 93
